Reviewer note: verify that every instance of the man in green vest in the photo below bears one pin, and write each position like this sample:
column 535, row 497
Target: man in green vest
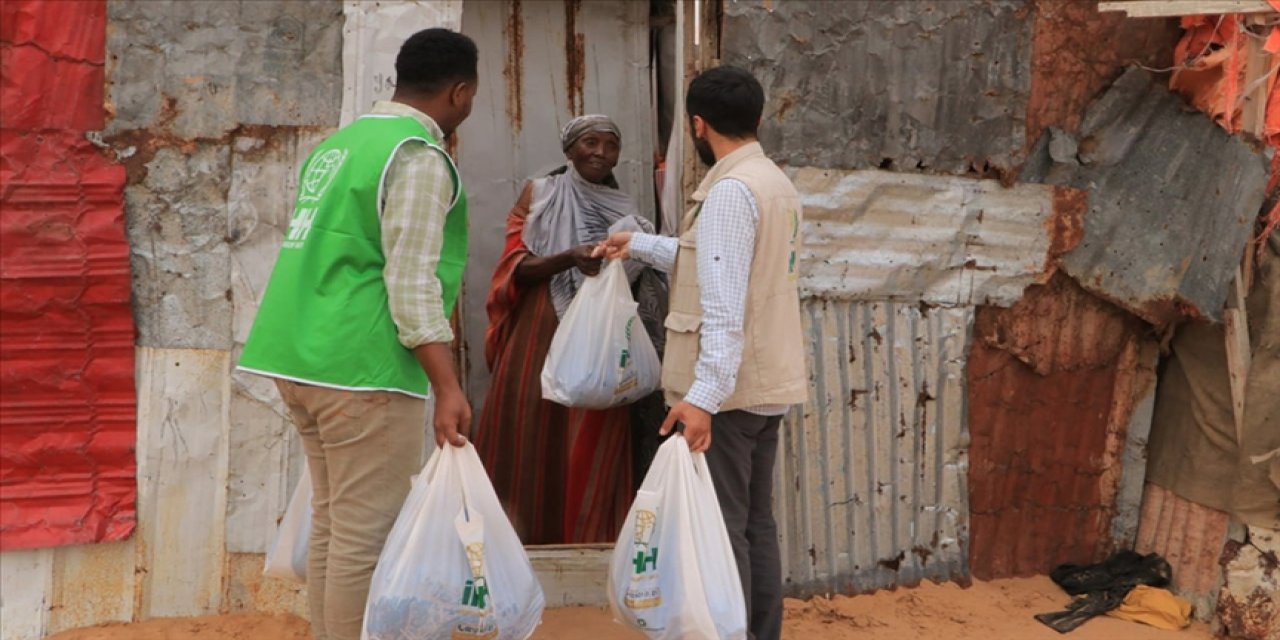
column 354, row 323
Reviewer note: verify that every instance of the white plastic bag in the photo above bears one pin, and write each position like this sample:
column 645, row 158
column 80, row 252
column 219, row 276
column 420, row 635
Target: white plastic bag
column 601, row 356
column 673, row 574
column 453, row 567
column 287, row 559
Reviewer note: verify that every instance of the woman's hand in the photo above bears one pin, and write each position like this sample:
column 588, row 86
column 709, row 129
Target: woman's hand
column 536, row 269
column 585, row 260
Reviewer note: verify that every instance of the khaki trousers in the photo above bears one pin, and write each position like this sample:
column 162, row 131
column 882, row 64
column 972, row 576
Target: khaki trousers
column 362, row 449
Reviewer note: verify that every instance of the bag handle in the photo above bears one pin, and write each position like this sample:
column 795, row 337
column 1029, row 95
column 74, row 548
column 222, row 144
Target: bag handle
column 615, row 281
column 428, row 472
column 455, row 466
column 468, row 523
column 700, row 469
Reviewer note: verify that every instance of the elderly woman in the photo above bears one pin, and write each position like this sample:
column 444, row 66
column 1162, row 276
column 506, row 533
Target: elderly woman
column 565, row 475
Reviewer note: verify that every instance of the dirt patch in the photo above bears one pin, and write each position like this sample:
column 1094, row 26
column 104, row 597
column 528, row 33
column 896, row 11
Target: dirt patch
column 246, row 626
column 987, row 610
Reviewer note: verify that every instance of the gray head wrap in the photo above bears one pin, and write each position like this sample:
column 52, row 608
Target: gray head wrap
column 582, row 125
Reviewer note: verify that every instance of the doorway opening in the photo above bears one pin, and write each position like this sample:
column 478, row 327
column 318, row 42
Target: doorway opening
column 542, row 64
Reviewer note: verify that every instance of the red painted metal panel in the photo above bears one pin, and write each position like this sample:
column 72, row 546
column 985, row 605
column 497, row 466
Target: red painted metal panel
column 67, row 397
column 52, row 58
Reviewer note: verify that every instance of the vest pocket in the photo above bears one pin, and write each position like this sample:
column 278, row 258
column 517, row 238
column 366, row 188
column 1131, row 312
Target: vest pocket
column 679, row 322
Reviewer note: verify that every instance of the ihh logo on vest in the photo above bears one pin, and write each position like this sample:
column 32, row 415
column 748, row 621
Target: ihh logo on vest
column 316, row 181
column 299, row 227
column 320, row 174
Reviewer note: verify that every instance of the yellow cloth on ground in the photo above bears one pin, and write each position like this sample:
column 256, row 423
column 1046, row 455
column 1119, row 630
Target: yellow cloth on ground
column 1156, row 607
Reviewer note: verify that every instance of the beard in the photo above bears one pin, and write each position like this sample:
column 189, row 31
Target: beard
column 705, row 154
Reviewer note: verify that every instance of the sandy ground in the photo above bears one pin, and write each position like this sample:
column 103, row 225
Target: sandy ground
column 986, row 611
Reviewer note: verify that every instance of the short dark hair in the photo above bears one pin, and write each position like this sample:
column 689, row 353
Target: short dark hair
column 433, row 59
column 729, row 99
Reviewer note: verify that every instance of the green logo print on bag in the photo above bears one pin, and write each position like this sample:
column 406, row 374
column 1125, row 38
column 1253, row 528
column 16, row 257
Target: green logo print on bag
column 644, row 592
column 475, row 593
column 478, row 621
column 626, row 351
column 643, row 560
column 627, row 380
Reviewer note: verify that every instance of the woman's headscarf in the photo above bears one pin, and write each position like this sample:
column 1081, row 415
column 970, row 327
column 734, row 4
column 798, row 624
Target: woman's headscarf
column 582, row 125
column 568, row 211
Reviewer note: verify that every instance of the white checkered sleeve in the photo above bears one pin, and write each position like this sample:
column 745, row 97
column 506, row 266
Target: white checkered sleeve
column 658, row 252
column 726, row 247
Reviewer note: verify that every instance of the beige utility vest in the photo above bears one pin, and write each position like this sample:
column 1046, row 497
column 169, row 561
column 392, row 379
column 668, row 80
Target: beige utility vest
column 773, row 359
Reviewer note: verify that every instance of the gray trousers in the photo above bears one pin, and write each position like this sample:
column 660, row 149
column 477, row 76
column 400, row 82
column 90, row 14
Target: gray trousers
column 743, row 448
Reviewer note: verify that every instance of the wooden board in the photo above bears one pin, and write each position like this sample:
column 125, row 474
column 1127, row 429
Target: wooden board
column 572, row 575
column 1239, row 355
column 1173, row 8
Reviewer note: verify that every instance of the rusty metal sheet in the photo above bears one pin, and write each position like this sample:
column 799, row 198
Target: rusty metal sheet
column 250, row 591
column 184, row 79
column 1132, row 468
column 1069, row 68
column 544, row 63
column 1055, row 383
column 913, row 86
column 1172, row 200
column 870, row 487
column 201, row 68
column 878, row 235
column 92, row 584
column 1249, row 604
column 1191, row 537
column 177, row 227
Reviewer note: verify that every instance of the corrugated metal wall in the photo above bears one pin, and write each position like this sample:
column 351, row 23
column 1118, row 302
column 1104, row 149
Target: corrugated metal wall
column 1190, row 536
column 967, row 88
column 872, row 478
column 871, row 481
column 933, row 86
column 1053, row 383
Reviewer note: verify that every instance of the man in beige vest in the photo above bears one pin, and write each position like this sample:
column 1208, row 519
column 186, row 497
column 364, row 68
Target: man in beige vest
column 734, row 360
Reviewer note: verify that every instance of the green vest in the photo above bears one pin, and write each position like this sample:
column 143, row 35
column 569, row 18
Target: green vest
column 324, row 318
